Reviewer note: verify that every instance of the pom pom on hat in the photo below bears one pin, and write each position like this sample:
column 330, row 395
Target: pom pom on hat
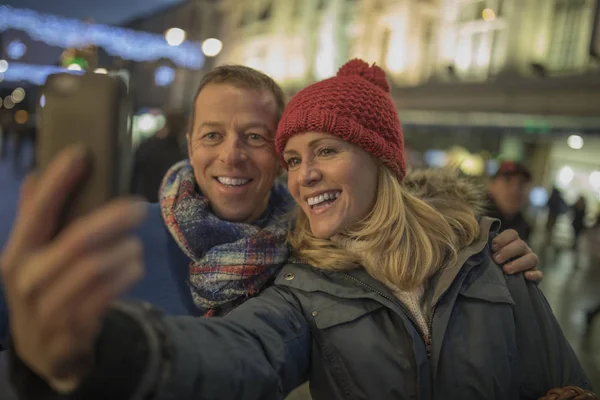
column 373, row 74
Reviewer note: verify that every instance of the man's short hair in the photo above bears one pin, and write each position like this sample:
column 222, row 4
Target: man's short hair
column 242, row 77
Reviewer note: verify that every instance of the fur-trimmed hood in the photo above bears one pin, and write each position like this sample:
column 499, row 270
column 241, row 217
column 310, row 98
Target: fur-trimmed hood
column 445, row 187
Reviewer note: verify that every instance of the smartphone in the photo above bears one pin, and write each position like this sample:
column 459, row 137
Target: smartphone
column 92, row 110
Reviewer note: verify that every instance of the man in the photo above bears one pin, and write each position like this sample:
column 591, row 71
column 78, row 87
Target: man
column 156, row 155
column 508, row 190
column 230, row 141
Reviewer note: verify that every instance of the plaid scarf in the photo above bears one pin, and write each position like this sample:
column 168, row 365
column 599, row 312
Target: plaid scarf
column 230, row 261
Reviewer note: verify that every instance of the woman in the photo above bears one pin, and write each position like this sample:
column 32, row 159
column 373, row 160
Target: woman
column 403, row 300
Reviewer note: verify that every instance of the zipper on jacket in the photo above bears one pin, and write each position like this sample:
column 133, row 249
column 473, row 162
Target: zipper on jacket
column 429, row 340
column 425, row 336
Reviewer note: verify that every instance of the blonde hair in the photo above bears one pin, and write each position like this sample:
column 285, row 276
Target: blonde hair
column 404, row 240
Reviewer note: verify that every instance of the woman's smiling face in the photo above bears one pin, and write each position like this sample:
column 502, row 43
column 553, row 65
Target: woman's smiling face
column 333, row 181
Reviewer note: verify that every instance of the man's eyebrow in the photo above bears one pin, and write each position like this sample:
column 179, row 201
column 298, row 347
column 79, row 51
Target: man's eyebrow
column 209, row 124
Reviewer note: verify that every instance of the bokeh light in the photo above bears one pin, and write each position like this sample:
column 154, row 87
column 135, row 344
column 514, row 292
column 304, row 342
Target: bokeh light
column 595, row 179
column 175, row 36
column 575, row 142
column 566, row 175
column 16, row 49
column 146, row 123
column 164, row 76
column 18, row 95
column 75, row 67
column 21, row 117
column 9, row 103
column 436, row 158
column 212, row 47
column 538, row 197
column 488, row 15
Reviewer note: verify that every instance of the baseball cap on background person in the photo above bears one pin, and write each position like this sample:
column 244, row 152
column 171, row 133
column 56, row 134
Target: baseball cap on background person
column 507, row 195
column 511, row 168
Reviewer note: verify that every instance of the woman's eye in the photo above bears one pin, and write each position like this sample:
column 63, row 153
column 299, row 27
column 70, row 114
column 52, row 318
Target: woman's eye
column 292, row 162
column 326, row 151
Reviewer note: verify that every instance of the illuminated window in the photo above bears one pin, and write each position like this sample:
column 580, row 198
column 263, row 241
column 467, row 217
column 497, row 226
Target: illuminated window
column 480, row 48
column 296, row 8
column 471, row 11
column 428, row 47
column 567, row 35
column 476, row 10
column 498, row 49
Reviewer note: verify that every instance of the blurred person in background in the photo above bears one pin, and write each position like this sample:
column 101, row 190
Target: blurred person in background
column 156, row 155
column 578, row 223
column 556, row 206
column 508, row 192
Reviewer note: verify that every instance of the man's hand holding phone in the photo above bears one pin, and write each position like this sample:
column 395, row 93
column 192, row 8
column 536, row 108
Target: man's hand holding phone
column 60, row 285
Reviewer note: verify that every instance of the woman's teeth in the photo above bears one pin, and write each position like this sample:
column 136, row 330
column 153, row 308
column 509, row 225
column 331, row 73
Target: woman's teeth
column 313, row 201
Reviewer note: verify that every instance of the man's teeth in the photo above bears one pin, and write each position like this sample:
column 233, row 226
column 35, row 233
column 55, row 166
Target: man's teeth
column 232, row 181
column 313, row 201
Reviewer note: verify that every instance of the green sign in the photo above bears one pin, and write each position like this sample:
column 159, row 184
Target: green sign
column 537, row 126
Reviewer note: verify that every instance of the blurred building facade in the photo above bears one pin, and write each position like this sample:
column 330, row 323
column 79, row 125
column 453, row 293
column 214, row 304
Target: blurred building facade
column 416, row 41
column 505, row 76
column 162, row 84
column 159, row 74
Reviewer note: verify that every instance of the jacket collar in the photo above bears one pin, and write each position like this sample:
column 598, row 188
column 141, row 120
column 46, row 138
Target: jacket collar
column 309, row 279
column 441, row 281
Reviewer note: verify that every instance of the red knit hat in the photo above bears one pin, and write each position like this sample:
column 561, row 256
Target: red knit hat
column 354, row 105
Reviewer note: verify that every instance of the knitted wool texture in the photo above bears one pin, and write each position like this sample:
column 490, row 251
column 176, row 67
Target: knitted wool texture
column 229, row 261
column 354, row 105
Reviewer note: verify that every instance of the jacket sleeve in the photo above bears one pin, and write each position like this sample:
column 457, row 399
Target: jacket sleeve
column 547, row 359
column 261, row 350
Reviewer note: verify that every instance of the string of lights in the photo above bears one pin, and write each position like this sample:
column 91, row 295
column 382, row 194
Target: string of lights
column 35, row 74
column 125, row 43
